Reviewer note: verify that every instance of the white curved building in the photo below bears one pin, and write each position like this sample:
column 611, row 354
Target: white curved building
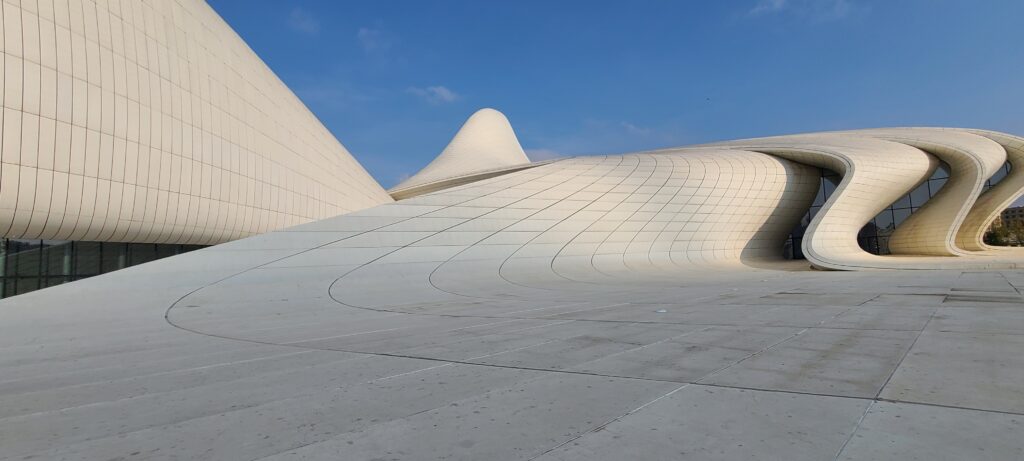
column 156, row 123
column 635, row 306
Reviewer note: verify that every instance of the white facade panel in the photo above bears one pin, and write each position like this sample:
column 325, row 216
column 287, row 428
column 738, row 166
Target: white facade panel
column 152, row 121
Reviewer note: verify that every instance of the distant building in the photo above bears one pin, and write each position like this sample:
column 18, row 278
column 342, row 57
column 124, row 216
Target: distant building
column 1010, row 217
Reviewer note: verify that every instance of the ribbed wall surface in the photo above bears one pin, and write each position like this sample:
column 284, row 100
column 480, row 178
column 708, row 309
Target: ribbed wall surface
column 152, row 121
column 879, row 166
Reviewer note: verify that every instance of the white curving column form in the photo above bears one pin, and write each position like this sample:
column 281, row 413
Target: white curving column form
column 485, row 146
column 874, row 172
column 972, row 159
column 991, row 203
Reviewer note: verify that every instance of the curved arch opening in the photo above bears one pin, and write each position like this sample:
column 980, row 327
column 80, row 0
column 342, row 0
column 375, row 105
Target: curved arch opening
column 874, row 236
column 828, row 182
column 1007, row 229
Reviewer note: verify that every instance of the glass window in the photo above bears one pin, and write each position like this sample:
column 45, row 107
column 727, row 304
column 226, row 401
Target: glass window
column 900, row 215
column 54, row 281
column 140, row 253
column 88, row 257
column 829, row 184
column 23, row 258
column 819, row 199
column 999, row 175
column 868, row 244
column 115, row 256
column 59, row 258
column 883, row 245
column 903, row 202
column 163, row 251
column 919, row 195
column 28, row 265
column 26, row 284
column 791, row 250
column 884, row 222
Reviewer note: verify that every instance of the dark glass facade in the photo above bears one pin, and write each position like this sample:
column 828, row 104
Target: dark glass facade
column 874, row 237
column 28, row 265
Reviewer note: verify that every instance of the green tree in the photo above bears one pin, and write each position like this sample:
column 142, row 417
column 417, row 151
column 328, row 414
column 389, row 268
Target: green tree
column 1009, row 234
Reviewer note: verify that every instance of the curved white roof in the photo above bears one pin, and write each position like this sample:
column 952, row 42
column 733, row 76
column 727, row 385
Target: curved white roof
column 485, row 142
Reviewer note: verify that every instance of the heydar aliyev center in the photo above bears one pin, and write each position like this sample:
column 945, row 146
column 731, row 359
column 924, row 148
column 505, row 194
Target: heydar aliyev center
column 761, row 298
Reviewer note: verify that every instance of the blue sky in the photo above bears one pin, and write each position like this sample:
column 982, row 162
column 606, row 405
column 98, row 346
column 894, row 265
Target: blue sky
column 393, row 80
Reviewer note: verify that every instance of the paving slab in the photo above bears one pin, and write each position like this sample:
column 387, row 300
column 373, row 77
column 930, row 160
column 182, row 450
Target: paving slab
column 1006, row 320
column 689, row 356
column 35, row 432
column 970, row 370
column 928, row 297
column 516, row 422
column 853, row 363
column 708, row 423
column 883, row 318
column 929, row 433
column 300, row 419
column 814, row 299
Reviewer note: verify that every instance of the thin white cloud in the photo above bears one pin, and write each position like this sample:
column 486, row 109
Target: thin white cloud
column 811, row 10
column 374, row 39
column 435, row 94
column 594, row 136
column 635, row 130
column 768, row 6
column 332, row 95
column 302, row 21
column 538, row 155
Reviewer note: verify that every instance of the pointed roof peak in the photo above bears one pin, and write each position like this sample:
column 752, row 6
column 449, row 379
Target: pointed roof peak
column 485, row 141
column 487, row 112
